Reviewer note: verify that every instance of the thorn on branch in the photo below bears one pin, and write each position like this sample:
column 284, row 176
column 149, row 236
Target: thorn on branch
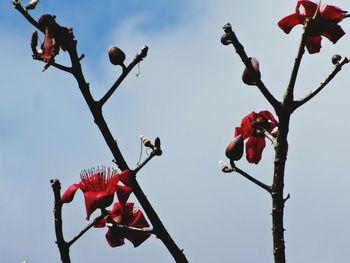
column 286, row 198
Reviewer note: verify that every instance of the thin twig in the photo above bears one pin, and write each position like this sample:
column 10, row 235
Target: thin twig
column 54, row 64
column 314, row 92
column 139, row 167
column 85, row 229
column 30, row 19
column 289, row 95
column 247, row 62
column 234, row 168
column 138, row 58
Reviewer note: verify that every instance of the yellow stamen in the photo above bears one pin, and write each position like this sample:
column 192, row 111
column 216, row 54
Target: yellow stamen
column 317, row 9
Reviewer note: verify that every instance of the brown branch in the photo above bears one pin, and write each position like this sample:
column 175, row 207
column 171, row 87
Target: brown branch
column 63, row 246
column 85, row 229
column 54, row 64
column 314, row 92
column 234, row 168
column 289, row 95
column 138, row 58
column 231, row 38
column 25, row 13
column 96, row 110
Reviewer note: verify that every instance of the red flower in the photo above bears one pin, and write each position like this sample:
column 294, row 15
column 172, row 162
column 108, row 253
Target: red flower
column 99, row 188
column 325, row 24
column 127, row 216
column 252, row 127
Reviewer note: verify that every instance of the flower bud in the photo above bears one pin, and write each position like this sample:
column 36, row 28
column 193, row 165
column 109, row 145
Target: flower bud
column 250, row 78
column 234, row 149
column 116, row 56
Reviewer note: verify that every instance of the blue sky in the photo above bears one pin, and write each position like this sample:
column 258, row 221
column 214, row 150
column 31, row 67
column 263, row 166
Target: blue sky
column 189, row 93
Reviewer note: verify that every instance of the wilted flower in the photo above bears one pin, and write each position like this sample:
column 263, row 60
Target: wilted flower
column 252, row 127
column 325, row 23
column 99, row 187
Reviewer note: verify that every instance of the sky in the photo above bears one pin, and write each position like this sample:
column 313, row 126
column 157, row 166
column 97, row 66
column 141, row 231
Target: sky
column 189, row 93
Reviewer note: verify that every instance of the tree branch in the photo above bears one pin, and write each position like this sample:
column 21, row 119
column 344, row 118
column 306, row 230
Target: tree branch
column 234, row 168
column 63, row 246
column 231, row 38
column 54, row 64
column 84, row 230
column 96, row 110
column 314, row 92
column 289, row 95
column 30, row 19
column 138, row 58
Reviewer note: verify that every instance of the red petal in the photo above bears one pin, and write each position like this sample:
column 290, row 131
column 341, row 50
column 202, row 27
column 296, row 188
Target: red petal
column 94, row 200
column 267, row 115
column 333, row 13
column 123, row 193
column 68, row 195
column 114, row 238
column 287, row 23
column 333, row 33
column 137, row 238
column 254, row 147
column 309, row 7
column 125, row 178
column 139, row 221
column 246, row 127
column 313, row 44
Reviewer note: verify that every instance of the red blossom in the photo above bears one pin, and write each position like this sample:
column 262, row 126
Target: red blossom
column 252, row 127
column 325, row 23
column 125, row 215
column 99, row 188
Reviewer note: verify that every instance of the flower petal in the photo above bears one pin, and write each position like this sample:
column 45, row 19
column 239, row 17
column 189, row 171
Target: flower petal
column 309, row 8
column 114, row 238
column 254, row 147
column 139, row 221
column 125, row 178
column 123, row 193
column 287, row 23
column 68, row 195
column 333, row 33
column 332, row 13
column 95, row 200
column 313, row 44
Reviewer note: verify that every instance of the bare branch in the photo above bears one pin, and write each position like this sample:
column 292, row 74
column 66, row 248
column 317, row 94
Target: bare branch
column 314, row 92
column 232, row 39
column 289, row 95
column 85, row 229
column 61, row 243
column 54, row 64
column 234, row 168
column 30, row 19
column 138, row 58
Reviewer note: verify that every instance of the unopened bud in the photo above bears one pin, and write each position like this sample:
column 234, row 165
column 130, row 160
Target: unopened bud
column 234, row 150
column 116, row 56
column 251, row 78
